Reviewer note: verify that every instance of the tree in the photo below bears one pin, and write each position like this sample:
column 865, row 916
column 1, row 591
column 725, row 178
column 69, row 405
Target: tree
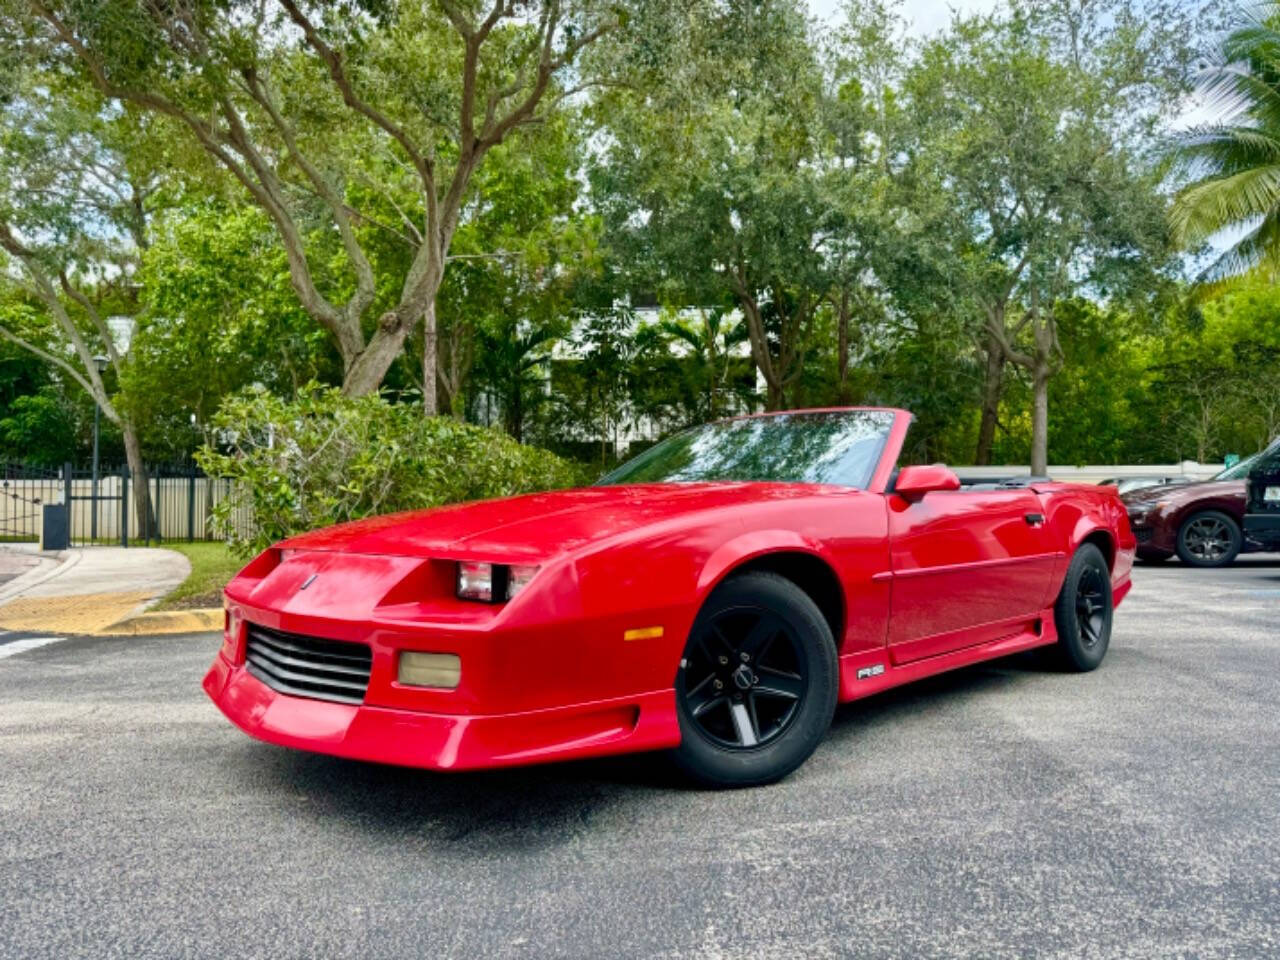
column 514, row 369
column 707, row 182
column 1034, row 125
column 516, row 260
column 863, row 128
column 287, row 97
column 75, row 184
column 1234, row 160
column 709, row 342
column 215, row 296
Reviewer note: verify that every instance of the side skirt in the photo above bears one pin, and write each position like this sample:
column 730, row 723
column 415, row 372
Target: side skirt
column 871, row 671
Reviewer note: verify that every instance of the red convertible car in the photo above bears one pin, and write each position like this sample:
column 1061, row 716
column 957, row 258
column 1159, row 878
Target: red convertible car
column 716, row 596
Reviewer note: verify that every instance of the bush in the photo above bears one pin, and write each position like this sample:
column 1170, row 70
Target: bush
column 324, row 458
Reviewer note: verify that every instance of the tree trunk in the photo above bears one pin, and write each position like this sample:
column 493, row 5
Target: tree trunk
column 139, row 481
column 429, row 345
column 842, row 345
column 775, row 399
column 1040, row 418
column 364, row 375
column 992, row 388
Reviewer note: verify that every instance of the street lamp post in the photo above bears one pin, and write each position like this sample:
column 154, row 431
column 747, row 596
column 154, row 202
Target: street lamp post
column 101, row 363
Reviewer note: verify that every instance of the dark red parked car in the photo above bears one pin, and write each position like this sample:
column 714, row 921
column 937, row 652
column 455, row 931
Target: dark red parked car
column 1203, row 523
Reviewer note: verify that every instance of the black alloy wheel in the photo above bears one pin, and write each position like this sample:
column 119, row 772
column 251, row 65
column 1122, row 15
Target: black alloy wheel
column 756, row 687
column 1083, row 610
column 1092, row 598
column 742, row 681
column 1209, row 539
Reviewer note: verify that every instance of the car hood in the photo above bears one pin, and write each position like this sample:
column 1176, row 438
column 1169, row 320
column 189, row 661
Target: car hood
column 1178, row 493
column 540, row 525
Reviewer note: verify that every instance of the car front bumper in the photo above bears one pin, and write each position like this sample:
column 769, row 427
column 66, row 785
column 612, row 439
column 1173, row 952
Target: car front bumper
column 442, row 741
column 1263, row 529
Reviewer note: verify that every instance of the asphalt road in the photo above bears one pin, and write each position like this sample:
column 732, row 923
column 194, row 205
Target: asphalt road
column 1000, row 811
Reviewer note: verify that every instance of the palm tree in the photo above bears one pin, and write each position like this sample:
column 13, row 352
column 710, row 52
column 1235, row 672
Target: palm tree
column 711, row 342
column 1234, row 161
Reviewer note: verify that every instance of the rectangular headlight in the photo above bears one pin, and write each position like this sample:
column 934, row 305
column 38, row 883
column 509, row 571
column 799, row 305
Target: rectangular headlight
column 475, row 581
column 440, row 670
column 518, row 577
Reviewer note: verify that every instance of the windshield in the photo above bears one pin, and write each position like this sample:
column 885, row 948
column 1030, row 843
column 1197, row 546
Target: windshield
column 840, row 448
column 1238, row 471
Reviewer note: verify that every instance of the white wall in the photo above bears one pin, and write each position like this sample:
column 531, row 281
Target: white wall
column 1100, row 472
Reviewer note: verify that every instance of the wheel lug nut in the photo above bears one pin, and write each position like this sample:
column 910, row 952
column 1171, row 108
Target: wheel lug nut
column 719, row 684
column 724, row 661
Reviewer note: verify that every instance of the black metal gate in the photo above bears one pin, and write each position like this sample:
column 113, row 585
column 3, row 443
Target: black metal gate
column 24, row 490
column 101, row 505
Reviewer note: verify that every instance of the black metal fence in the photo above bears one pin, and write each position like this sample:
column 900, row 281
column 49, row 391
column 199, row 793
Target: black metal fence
column 102, row 508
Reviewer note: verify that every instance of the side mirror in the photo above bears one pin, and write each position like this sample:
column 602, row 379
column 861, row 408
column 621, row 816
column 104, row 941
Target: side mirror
column 914, row 482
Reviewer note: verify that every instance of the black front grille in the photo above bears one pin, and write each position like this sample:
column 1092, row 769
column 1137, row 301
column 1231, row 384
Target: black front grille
column 308, row 666
column 1143, row 534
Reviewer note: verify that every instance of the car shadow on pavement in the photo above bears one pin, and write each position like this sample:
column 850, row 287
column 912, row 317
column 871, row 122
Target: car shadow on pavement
column 898, row 703
column 520, row 807
column 539, row 806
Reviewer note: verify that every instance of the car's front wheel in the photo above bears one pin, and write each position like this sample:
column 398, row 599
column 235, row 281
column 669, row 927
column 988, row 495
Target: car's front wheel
column 1209, row 538
column 756, row 687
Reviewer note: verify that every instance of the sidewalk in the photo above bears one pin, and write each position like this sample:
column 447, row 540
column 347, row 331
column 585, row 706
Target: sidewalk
column 92, row 590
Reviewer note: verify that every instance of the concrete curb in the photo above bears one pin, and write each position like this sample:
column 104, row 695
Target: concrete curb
column 58, row 564
column 160, row 622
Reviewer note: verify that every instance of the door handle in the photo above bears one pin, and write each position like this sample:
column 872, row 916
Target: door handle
column 1034, row 518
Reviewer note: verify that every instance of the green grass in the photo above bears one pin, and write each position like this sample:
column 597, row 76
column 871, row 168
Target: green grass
column 212, row 565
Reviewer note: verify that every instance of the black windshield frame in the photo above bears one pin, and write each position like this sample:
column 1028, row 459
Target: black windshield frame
column 848, row 465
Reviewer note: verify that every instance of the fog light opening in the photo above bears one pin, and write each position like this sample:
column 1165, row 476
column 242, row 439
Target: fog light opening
column 440, row 671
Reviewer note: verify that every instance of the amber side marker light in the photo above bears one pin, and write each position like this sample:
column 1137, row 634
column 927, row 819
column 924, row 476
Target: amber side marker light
column 643, row 633
column 440, row 670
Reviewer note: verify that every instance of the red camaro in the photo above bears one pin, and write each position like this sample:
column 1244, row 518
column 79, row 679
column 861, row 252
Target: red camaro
column 715, row 596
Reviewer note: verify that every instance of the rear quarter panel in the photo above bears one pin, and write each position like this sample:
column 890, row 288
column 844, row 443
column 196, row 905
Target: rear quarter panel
column 1077, row 512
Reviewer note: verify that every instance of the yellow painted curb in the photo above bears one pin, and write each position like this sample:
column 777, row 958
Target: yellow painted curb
column 168, row 621
column 78, row 613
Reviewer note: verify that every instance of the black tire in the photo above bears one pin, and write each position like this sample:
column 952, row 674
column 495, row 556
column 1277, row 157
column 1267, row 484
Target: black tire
column 757, row 685
column 1083, row 611
column 1209, row 538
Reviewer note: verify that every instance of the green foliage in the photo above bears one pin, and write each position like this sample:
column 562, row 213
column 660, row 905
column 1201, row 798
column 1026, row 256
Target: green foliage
column 39, row 428
column 216, row 294
column 821, row 216
column 324, row 458
column 1234, row 159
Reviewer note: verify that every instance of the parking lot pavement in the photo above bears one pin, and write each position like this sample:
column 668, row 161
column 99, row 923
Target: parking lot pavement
column 1000, row 811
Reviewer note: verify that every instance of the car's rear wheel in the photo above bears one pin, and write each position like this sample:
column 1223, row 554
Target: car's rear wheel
column 757, row 684
column 1209, row 538
column 1083, row 610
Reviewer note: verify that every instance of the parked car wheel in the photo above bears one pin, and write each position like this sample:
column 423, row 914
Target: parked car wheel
column 1209, row 538
column 1083, row 611
column 757, row 685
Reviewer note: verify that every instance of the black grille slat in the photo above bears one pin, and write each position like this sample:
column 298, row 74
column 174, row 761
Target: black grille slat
column 311, row 648
column 309, row 666
column 281, row 687
column 287, row 662
column 298, row 677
